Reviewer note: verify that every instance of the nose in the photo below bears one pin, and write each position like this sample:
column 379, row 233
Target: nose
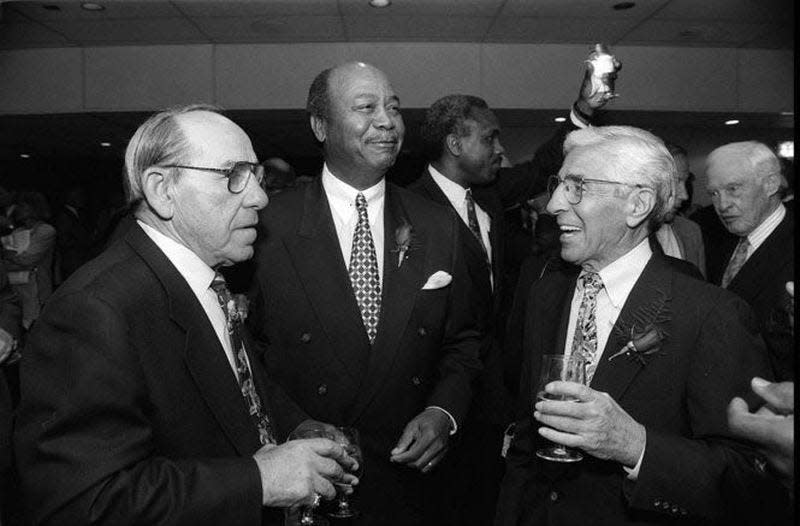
column 383, row 119
column 255, row 196
column 557, row 202
column 498, row 147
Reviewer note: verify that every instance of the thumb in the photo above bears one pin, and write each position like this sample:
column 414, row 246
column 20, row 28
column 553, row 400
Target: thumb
column 405, row 441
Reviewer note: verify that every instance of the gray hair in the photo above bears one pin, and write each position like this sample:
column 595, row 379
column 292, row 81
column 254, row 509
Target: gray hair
column 639, row 157
column 158, row 141
column 755, row 155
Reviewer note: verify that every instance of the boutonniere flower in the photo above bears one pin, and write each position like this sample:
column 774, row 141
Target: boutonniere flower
column 403, row 236
column 649, row 339
column 237, row 307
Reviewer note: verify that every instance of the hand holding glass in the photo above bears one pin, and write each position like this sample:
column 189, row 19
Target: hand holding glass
column 567, row 369
column 306, row 515
column 348, row 438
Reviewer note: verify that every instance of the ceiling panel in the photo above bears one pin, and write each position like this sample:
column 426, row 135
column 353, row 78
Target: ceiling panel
column 193, row 8
column 580, row 8
column 71, row 10
column 398, row 28
column 561, row 30
column 426, row 7
column 272, row 29
column 774, row 37
column 730, row 10
column 13, row 34
column 694, row 33
column 132, row 31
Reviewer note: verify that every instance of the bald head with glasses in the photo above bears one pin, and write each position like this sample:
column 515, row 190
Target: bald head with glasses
column 192, row 174
column 616, row 186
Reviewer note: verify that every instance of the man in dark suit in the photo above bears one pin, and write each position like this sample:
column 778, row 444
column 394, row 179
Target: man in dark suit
column 663, row 352
column 75, row 233
column 362, row 298
column 141, row 400
column 10, row 330
column 746, row 186
column 461, row 138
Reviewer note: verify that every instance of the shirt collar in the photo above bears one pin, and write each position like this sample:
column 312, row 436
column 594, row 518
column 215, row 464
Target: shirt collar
column 767, row 226
column 342, row 196
column 196, row 273
column 452, row 190
column 621, row 275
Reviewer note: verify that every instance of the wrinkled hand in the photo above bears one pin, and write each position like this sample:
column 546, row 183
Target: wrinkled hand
column 596, row 423
column 6, row 345
column 292, row 473
column 771, row 427
column 424, row 440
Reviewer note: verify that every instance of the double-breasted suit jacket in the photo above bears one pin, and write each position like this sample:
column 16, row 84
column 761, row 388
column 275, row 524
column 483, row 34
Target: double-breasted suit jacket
column 692, row 468
column 425, row 352
column 130, row 411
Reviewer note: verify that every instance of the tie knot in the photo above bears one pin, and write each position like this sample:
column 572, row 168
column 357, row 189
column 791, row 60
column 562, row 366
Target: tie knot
column 218, row 284
column 468, row 196
column 361, row 202
column 591, row 281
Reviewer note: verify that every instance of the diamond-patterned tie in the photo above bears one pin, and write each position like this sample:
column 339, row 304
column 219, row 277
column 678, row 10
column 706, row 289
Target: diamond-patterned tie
column 472, row 219
column 364, row 271
column 737, row 261
column 233, row 322
column 584, row 343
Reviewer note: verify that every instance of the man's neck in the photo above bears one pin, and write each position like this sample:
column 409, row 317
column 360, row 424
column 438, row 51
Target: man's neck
column 451, row 171
column 358, row 179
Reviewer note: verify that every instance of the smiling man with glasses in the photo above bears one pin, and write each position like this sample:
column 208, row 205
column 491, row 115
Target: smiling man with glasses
column 664, row 353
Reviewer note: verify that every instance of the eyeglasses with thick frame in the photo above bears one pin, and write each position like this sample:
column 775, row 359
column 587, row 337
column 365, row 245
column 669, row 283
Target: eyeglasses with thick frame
column 574, row 186
column 238, row 175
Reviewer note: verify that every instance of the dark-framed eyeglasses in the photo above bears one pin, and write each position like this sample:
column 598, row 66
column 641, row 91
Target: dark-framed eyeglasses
column 238, row 175
column 574, row 186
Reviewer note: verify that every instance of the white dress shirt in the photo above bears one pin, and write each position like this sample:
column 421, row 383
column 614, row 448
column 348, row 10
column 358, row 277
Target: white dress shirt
column 342, row 201
column 198, row 276
column 618, row 277
column 760, row 234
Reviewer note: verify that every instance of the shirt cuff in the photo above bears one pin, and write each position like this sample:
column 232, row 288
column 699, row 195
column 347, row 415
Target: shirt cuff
column 452, row 420
column 633, row 473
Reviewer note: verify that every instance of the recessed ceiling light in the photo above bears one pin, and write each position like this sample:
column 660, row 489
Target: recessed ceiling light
column 380, row 3
column 25, row 155
column 92, row 6
column 622, row 6
column 105, row 144
column 787, row 113
column 731, row 122
column 560, row 119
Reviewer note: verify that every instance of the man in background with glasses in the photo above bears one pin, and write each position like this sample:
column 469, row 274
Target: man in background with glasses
column 142, row 402
column 664, row 353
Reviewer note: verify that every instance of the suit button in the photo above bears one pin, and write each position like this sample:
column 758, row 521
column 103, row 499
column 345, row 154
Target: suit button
column 684, row 512
column 553, row 496
column 305, row 337
column 657, row 503
column 675, row 510
column 665, row 506
column 421, row 331
column 416, row 380
column 322, row 390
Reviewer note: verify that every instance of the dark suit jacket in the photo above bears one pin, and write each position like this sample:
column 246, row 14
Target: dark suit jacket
column 130, row 412
column 74, row 241
column 761, row 282
column 691, row 466
column 11, row 322
column 690, row 241
column 425, row 352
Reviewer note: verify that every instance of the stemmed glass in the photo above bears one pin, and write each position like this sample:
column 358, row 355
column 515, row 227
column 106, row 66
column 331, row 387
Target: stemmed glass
column 305, row 516
column 348, row 438
column 567, row 369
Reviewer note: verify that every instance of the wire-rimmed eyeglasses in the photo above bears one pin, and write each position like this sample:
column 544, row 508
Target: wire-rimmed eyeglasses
column 574, row 186
column 238, row 175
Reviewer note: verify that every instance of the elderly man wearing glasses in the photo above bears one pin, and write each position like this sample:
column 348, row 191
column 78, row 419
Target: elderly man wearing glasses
column 663, row 354
column 142, row 402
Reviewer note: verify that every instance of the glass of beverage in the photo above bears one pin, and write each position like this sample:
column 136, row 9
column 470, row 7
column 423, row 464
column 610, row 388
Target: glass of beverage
column 305, row 515
column 567, row 369
column 348, row 438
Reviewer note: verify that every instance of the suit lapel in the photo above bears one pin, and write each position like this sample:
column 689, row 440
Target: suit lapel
column 317, row 257
column 204, row 356
column 755, row 273
column 400, row 288
column 615, row 376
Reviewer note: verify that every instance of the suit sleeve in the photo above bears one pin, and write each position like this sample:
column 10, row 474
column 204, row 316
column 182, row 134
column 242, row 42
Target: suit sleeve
column 461, row 344
column 715, row 477
column 85, row 448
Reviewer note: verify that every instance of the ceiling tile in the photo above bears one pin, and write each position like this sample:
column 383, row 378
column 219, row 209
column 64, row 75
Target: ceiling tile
column 564, row 30
column 774, row 37
column 579, row 8
column 193, row 8
column 697, row 33
column 23, row 34
column 435, row 28
column 743, row 11
column 131, row 31
column 427, row 7
column 272, row 29
column 71, row 10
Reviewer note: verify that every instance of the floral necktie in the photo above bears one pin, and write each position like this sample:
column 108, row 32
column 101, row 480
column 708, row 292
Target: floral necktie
column 584, row 342
column 364, row 271
column 233, row 323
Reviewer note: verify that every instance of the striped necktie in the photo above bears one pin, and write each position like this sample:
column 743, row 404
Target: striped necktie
column 736, row 263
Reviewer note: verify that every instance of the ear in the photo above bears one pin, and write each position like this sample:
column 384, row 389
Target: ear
column 319, row 128
column 772, row 184
column 453, row 144
column 640, row 205
column 158, row 188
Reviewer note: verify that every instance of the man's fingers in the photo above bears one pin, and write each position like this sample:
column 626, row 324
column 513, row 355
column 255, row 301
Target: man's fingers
column 561, row 423
column 571, row 389
column 431, row 462
column 778, row 395
column 408, row 436
column 565, row 439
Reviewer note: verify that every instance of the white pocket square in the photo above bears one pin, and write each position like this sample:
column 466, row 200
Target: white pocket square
column 438, row 279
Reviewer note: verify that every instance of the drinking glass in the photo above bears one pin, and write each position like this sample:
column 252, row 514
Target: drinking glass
column 305, row 516
column 567, row 369
column 348, row 438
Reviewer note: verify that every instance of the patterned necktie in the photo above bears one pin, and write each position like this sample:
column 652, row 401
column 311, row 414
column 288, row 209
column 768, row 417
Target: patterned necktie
column 737, row 261
column 364, row 271
column 472, row 219
column 584, row 342
column 233, row 323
